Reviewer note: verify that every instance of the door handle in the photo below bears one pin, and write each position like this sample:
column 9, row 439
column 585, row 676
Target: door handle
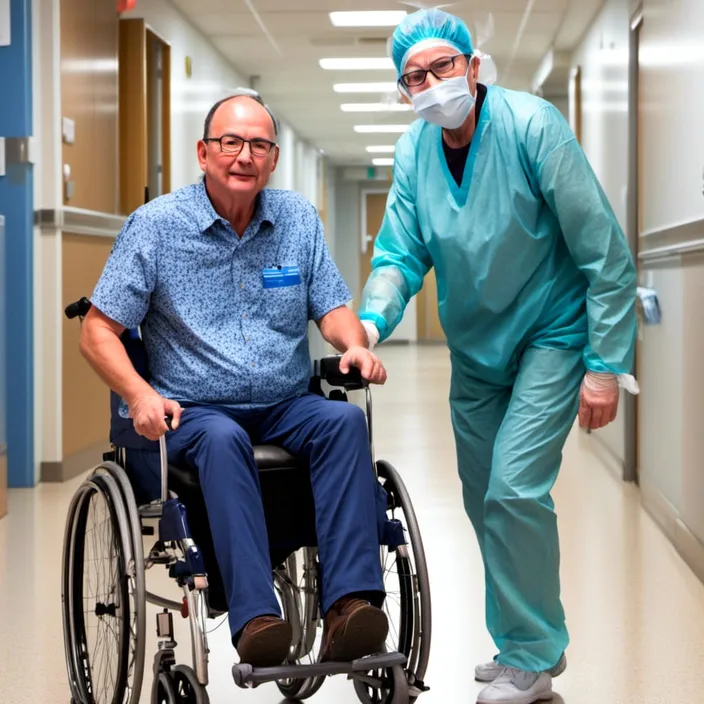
column 365, row 240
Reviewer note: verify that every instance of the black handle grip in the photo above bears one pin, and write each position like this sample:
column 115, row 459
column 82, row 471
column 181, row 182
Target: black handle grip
column 329, row 370
column 77, row 308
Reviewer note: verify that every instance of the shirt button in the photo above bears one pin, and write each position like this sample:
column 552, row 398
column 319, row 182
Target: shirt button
column 245, row 316
column 241, row 285
column 254, row 364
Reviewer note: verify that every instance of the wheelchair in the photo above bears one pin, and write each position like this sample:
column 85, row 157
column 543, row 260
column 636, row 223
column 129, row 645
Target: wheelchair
column 104, row 565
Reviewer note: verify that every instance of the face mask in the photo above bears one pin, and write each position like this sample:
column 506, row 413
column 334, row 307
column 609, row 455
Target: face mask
column 446, row 104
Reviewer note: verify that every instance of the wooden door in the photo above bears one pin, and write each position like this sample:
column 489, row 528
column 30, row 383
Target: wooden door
column 429, row 328
column 375, row 206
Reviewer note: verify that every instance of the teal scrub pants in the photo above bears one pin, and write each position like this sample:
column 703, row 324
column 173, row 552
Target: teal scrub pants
column 509, row 448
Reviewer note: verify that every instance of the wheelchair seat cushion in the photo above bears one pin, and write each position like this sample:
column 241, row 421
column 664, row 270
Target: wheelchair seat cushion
column 267, row 458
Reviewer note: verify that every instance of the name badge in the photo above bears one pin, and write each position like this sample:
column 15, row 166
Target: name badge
column 280, row 276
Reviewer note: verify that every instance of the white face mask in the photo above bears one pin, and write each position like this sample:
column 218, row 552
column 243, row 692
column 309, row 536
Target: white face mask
column 446, row 104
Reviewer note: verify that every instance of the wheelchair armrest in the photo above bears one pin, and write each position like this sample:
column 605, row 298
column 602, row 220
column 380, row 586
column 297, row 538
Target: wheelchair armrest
column 328, row 368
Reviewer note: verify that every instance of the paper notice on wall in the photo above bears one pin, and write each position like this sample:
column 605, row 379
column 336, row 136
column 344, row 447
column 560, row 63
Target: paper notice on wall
column 4, row 22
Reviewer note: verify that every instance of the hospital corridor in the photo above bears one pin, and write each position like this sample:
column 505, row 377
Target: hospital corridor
column 634, row 609
column 351, row 351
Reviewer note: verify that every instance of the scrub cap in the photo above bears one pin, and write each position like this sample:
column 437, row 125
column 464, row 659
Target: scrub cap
column 427, row 28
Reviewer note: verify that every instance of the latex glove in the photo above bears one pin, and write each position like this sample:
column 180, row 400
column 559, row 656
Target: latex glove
column 372, row 333
column 598, row 400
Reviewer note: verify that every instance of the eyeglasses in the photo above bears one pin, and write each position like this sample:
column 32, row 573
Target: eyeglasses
column 234, row 144
column 440, row 68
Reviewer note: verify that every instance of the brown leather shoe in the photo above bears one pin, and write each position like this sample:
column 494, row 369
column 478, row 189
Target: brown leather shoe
column 353, row 628
column 265, row 641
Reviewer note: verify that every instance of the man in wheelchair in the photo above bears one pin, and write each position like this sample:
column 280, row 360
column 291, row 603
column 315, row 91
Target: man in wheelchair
column 223, row 277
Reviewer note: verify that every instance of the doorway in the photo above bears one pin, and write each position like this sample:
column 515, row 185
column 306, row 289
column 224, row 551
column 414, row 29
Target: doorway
column 145, row 115
column 373, row 209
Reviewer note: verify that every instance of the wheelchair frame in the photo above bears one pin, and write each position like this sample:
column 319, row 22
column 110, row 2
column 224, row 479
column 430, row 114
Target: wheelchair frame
column 398, row 675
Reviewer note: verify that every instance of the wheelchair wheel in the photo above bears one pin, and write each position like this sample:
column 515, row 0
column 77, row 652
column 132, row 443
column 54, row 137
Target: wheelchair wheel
column 164, row 690
column 407, row 603
column 391, row 687
column 188, row 689
column 297, row 585
column 103, row 593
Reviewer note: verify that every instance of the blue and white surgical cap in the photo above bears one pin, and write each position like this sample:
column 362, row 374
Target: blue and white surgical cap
column 425, row 29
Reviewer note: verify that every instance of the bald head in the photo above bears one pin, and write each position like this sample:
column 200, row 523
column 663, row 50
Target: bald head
column 248, row 106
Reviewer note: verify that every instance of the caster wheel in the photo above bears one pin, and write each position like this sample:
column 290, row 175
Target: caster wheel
column 164, row 690
column 188, row 689
column 388, row 686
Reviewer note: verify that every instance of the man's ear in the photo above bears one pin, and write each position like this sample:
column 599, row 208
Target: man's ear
column 202, row 152
column 276, row 158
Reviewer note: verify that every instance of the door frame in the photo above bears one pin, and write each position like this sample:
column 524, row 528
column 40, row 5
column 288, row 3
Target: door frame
column 363, row 193
column 631, row 416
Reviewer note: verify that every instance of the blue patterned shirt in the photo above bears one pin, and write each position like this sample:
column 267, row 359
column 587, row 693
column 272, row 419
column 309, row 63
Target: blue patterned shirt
column 215, row 327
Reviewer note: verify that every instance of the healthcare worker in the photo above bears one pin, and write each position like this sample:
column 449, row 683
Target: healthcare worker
column 536, row 290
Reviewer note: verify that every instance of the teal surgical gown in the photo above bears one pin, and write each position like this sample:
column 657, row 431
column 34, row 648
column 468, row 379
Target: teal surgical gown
column 535, row 283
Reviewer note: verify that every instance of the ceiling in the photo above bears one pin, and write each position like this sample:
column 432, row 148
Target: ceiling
column 278, row 45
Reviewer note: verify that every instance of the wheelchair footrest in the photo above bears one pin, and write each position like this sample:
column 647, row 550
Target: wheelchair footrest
column 248, row 676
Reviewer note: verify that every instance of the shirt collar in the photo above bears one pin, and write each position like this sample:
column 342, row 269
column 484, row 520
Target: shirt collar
column 264, row 210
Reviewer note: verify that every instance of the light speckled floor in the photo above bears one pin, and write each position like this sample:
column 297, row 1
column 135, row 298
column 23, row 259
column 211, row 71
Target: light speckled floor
column 636, row 612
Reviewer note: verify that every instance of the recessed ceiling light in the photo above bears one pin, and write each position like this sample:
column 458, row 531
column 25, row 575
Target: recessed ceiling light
column 382, row 149
column 364, row 87
column 383, row 161
column 380, row 129
column 375, row 107
column 357, row 64
column 367, row 18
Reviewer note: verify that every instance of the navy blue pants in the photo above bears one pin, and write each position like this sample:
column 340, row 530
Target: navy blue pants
column 332, row 437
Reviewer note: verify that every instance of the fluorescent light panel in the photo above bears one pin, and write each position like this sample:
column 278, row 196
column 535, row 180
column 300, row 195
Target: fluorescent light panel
column 364, row 87
column 382, row 149
column 367, row 18
column 375, row 107
column 380, row 129
column 357, row 64
column 383, row 161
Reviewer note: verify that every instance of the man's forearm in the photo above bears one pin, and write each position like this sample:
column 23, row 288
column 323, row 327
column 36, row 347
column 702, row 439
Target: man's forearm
column 342, row 329
column 106, row 354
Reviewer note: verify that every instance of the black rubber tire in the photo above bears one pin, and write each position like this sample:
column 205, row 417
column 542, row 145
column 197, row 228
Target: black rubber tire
column 188, row 689
column 116, row 615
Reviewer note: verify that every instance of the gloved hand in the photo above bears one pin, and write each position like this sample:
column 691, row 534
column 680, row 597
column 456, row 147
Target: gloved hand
column 598, row 400
column 372, row 333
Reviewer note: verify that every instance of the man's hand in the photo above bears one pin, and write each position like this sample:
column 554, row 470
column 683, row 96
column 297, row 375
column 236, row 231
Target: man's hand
column 598, row 400
column 148, row 413
column 368, row 363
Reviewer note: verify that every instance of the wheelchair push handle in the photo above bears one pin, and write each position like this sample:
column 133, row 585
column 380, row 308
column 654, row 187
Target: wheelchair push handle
column 328, row 369
column 78, row 308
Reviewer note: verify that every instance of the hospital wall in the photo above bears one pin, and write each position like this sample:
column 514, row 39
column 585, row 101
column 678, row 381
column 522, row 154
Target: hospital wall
column 670, row 147
column 603, row 59
column 76, row 76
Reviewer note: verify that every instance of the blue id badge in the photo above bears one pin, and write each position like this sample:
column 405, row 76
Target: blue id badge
column 280, row 276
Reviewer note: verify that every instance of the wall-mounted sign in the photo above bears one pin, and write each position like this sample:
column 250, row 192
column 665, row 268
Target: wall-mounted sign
column 4, row 22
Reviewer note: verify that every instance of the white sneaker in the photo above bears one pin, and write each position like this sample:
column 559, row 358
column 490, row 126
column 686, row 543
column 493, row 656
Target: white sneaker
column 517, row 687
column 489, row 671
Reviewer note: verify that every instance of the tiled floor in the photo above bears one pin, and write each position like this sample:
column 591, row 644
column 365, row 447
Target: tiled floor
column 636, row 612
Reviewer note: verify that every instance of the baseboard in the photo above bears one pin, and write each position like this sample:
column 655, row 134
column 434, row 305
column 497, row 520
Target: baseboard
column 74, row 465
column 601, row 449
column 3, row 483
column 689, row 547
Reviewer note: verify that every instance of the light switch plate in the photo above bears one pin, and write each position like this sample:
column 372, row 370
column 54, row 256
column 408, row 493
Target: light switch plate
column 2, row 157
column 68, row 130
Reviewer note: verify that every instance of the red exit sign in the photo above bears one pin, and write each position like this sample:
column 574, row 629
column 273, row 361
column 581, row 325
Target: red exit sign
column 124, row 5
